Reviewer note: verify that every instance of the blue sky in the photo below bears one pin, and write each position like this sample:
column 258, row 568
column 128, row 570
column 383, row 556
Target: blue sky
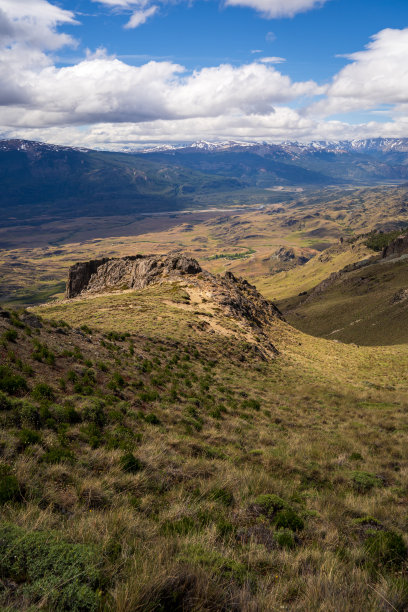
column 123, row 73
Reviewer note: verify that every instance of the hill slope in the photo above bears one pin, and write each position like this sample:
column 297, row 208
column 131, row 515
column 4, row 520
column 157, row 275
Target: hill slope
column 156, row 462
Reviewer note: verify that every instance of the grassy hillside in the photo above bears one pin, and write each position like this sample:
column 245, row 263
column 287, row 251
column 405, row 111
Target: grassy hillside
column 366, row 306
column 159, row 463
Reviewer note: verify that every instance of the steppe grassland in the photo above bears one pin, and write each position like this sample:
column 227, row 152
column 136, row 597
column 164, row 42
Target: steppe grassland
column 329, row 439
column 34, row 274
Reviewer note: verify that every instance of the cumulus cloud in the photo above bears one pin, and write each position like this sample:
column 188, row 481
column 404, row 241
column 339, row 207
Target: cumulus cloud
column 377, row 75
column 278, row 8
column 162, row 101
column 33, row 23
column 140, row 17
column 105, row 89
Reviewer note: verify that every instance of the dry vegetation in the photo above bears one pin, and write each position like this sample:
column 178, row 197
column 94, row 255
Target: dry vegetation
column 158, row 464
column 33, row 267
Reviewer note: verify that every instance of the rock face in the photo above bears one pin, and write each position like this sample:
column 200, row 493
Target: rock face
column 286, row 258
column 241, row 299
column 234, row 295
column 397, row 247
column 134, row 272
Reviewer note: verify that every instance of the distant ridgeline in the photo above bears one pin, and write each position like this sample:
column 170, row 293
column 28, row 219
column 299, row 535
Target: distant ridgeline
column 43, row 179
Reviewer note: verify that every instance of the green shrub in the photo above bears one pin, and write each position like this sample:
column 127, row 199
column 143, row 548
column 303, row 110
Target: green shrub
column 116, row 382
column 251, row 404
column 378, row 240
column 9, row 487
column 5, row 402
column 149, row 396
column 386, row 548
column 268, row 504
column 10, row 335
column 288, row 519
column 356, row 457
column 42, row 392
column 94, row 412
column 130, row 463
column 42, row 353
column 58, row 454
column 43, row 568
column 364, row 481
column 27, row 437
column 14, row 384
column 152, row 419
column 285, row 538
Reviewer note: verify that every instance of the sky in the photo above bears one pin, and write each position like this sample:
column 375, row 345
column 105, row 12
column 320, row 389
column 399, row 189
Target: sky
column 118, row 74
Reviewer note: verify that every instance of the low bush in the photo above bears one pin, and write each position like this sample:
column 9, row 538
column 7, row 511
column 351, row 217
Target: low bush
column 49, row 572
column 14, row 384
column 58, row 454
column 288, row 519
column 386, row 548
column 130, row 463
column 364, row 481
column 9, row 487
column 43, row 392
column 285, row 538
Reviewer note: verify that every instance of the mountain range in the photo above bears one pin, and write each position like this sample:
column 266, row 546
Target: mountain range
column 57, row 181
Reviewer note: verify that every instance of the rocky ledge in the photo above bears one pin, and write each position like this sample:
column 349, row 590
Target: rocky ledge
column 235, row 296
column 134, row 272
column 397, row 247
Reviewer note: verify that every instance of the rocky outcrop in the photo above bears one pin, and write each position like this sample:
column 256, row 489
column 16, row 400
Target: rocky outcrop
column 242, row 300
column 235, row 296
column 397, row 247
column 286, row 258
column 133, row 272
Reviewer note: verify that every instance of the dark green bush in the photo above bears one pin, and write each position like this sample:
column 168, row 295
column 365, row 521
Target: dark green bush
column 5, row 402
column 9, row 487
column 251, row 404
column 116, row 382
column 378, row 240
column 42, row 353
column 94, row 412
column 27, row 437
column 181, row 526
column 288, row 519
column 14, row 384
column 386, row 548
column 152, row 419
column 43, row 568
column 58, row 454
column 10, row 335
column 42, row 392
column 130, row 463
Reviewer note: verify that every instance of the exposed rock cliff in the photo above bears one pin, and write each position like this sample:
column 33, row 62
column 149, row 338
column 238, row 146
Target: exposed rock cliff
column 397, row 247
column 134, row 272
column 234, row 296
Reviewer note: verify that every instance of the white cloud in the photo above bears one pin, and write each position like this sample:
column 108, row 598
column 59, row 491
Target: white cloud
column 33, row 23
column 272, row 60
column 161, row 101
column 278, row 8
column 377, row 75
column 140, row 17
